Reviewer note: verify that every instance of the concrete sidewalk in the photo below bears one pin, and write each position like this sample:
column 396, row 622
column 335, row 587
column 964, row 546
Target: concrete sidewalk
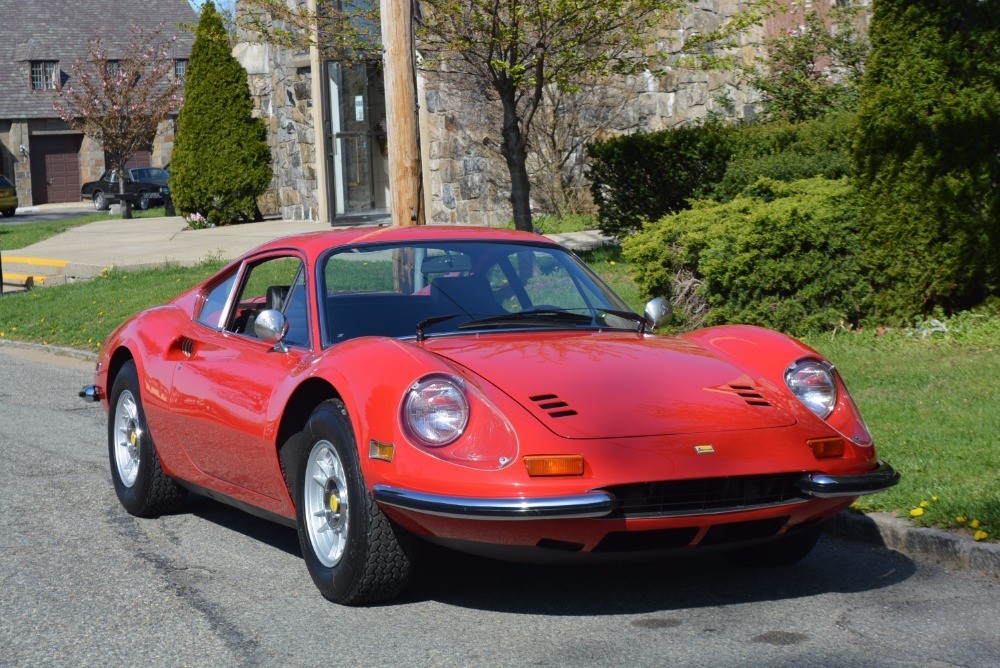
column 147, row 242
column 82, row 252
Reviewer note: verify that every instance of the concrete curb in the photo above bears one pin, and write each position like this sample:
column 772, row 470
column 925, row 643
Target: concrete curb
column 55, row 350
column 898, row 534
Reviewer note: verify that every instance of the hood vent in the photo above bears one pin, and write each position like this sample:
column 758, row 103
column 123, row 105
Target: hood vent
column 750, row 395
column 551, row 404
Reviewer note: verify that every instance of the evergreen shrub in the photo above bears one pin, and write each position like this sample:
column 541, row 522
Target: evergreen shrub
column 780, row 255
column 221, row 161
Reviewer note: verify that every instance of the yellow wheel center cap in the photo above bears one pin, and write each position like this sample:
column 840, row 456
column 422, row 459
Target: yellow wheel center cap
column 334, row 503
column 132, row 438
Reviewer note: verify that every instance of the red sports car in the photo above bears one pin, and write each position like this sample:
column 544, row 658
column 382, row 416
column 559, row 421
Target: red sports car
column 479, row 389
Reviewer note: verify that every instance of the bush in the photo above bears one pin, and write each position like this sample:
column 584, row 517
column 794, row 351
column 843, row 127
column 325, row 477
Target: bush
column 785, row 151
column 642, row 177
column 926, row 155
column 781, row 255
column 646, row 176
column 221, row 161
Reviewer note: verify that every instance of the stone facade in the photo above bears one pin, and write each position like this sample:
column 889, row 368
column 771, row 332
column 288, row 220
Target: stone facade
column 466, row 178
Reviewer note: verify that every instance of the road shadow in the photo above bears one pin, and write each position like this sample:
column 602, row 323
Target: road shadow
column 635, row 588
column 264, row 531
column 456, row 579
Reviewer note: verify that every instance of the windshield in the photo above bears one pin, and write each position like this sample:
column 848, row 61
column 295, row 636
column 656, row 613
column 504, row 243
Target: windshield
column 461, row 286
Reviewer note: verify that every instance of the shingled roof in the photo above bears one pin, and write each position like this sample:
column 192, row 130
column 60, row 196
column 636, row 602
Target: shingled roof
column 61, row 30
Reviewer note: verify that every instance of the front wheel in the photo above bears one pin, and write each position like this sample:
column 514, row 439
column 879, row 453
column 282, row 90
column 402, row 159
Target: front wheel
column 354, row 553
column 7, row 213
column 100, row 201
column 145, row 200
column 140, row 483
column 782, row 551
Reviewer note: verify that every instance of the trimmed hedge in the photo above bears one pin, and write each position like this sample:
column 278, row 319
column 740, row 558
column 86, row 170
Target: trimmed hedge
column 642, row 177
column 780, row 255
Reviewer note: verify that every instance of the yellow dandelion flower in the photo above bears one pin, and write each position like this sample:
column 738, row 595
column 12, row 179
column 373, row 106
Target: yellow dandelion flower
column 924, row 504
column 916, row 512
column 980, row 535
column 960, row 519
column 974, row 524
column 613, row 263
column 934, row 498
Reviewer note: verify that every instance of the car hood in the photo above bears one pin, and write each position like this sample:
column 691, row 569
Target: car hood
column 617, row 385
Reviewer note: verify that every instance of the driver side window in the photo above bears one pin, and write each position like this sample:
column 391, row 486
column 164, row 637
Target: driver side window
column 276, row 283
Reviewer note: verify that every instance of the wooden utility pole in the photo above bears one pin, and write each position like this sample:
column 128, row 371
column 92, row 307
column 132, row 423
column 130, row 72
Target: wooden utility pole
column 401, row 112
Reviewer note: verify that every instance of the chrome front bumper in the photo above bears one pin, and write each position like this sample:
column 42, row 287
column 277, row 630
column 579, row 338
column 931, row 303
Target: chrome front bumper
column 591, row 504
column 826, row 486
column 599, row 503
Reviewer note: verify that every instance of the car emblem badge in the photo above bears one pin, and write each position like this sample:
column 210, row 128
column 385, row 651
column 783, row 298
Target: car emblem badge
column 704, row 449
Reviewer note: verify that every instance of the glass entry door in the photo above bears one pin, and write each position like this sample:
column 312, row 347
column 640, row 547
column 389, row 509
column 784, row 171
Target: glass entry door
column 359, row 142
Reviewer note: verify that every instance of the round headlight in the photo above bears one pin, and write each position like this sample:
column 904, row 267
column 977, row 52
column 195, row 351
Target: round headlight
column 812, row 382
column 435, row 411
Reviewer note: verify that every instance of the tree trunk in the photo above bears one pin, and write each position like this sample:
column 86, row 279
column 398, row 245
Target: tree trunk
column 515, row 152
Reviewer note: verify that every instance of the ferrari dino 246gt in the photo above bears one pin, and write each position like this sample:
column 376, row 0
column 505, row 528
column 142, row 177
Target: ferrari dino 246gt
column 479, row 389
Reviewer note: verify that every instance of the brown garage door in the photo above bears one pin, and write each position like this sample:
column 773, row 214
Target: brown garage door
column 55, row 168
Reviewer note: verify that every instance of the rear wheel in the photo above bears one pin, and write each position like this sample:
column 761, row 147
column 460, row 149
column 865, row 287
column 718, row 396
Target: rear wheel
column 782, row 551
column 140, row 483
column 100, row 201
column 7, row 213
column 354, row 553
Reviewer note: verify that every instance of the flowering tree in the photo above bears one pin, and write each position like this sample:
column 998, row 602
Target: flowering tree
column 120, row 102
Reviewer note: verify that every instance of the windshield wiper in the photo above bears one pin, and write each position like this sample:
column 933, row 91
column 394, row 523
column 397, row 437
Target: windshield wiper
column 433, row 320
column 536, row 315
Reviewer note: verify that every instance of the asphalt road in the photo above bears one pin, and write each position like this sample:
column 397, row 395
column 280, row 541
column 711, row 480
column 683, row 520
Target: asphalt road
column 84, row 583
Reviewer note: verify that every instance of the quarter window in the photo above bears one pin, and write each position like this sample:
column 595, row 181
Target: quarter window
column 43, row 75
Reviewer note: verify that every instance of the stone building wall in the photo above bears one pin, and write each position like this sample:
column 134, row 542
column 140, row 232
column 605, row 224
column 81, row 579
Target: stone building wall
column 468, row 179
column 281, row 88
column 469, row 182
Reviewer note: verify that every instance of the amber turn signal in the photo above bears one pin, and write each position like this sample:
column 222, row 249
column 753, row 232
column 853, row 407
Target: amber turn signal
column 824, row 448
column 545, row 465
column 379, row 450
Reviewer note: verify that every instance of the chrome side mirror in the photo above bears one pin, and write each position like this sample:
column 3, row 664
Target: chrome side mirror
column 657, row 312
column 271, row 326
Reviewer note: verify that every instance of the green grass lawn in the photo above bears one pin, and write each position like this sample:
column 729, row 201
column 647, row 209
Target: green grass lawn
column 931, row 396
column 20, row 235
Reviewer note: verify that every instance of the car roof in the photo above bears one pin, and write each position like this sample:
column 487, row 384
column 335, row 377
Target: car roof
column 314, row 243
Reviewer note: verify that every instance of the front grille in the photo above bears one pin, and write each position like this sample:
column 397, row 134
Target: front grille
column 705, row 495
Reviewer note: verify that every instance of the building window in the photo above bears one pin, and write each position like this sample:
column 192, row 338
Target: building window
column 43, row 75
column 180, row 68
column 114, row 67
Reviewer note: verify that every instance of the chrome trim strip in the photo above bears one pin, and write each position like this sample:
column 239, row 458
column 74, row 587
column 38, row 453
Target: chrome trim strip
column 591, row 504
column 830, row 486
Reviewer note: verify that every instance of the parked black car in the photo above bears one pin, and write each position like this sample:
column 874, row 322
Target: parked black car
column 149, row 184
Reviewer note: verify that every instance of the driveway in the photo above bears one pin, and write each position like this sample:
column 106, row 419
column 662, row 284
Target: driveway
column 44, row 213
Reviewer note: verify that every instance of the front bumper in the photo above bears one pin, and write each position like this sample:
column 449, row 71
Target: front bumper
column 599, row 503
column 832, row 486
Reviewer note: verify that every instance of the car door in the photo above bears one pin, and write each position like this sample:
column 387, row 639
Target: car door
column 220, row 394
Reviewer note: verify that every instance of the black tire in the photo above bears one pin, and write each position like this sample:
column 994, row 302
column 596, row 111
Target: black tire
column 143, row 489
column 7, row 213
column 100, row 201
column 144, row 200
column 375, row 556
column 783, row 551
